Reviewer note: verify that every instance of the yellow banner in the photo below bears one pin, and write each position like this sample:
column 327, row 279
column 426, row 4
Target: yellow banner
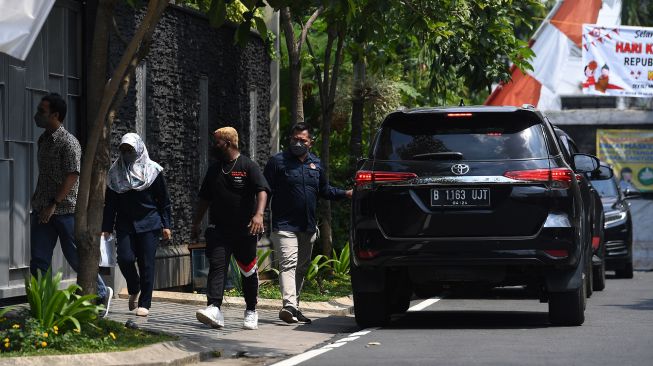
column 630, row 153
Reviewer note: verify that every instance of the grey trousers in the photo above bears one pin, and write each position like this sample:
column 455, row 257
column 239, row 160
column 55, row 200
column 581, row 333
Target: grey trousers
column 293, row 251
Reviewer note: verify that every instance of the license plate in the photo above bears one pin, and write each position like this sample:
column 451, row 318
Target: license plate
column 460, row 197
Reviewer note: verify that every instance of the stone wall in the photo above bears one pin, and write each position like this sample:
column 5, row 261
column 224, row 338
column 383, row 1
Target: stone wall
column 186, row 50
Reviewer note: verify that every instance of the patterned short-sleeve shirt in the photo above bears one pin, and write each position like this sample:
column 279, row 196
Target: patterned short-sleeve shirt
column 59, row 154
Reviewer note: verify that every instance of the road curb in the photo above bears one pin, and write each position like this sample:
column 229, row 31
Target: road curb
column 340, row 306
column 171, row 353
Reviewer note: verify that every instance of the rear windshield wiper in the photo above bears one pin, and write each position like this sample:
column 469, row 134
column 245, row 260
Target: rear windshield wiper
column 449, row 155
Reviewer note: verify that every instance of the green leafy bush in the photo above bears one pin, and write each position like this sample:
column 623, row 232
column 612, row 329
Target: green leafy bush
column 23, row 335
column 341, row 262
column 317, row 266
column 262, row 255
column 50, row 306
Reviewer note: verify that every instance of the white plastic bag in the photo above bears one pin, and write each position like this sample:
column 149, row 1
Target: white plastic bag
column 107, row 251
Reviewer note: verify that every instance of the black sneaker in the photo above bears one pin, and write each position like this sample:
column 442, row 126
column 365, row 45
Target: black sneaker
column 288, row 314
column 302, row 319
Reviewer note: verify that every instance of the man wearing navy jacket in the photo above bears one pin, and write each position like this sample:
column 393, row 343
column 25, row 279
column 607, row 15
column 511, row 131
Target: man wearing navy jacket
column 296, row 179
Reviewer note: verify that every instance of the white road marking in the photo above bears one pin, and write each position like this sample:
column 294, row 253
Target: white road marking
column 296, row 360
column 424, row 304
column 348, row 339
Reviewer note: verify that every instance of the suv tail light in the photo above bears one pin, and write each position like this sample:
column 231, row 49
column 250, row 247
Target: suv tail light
column 558, row 177
column 459, row 115
column 557, row 253
column 366, row 176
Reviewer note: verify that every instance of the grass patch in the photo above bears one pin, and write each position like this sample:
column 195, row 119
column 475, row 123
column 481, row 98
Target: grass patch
column 327, row 289
column 22, row 336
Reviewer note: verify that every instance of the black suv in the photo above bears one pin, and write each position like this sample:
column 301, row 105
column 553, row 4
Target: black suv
column 469, row 197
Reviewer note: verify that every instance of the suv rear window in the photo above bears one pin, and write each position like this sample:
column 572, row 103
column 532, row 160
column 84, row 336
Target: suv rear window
column 481, row 137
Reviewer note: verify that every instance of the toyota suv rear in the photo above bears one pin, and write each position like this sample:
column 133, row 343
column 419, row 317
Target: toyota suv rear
column 468, row 197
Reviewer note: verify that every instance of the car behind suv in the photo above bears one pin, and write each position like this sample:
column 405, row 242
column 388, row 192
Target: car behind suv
column 618, row 222
column 468, row 197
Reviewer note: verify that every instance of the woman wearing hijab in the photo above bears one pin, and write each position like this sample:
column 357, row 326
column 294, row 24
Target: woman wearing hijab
column 137, row 205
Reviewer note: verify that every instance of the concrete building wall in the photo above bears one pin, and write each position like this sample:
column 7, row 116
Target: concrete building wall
column 193, row 81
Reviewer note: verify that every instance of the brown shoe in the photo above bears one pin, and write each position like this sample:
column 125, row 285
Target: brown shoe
column 133, row 300
column 142, row 311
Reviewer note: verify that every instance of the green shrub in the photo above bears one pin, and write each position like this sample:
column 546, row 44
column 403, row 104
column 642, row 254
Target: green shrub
column 317, row 266
column 262, row 255
column 341, row 262
column 50, row 306
column 23, row 335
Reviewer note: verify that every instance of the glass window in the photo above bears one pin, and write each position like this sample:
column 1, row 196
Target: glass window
column 484, row 137
column 606, row 188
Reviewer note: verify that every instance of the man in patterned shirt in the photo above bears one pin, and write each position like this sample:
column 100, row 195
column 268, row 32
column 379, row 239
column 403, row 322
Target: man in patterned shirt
column 53, row 202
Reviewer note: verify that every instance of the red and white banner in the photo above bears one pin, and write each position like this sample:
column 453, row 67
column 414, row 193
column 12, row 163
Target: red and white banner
column 20, row 24
column 617, row 61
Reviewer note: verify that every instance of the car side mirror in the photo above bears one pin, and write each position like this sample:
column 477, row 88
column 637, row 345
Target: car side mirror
column 603, row 173
column 585, row 163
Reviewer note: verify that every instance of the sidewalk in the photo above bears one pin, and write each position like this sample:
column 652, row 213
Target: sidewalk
column 174, row 313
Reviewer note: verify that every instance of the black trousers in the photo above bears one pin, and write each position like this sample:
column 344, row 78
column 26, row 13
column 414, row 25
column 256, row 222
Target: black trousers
column 138, row 248
column 219, row 248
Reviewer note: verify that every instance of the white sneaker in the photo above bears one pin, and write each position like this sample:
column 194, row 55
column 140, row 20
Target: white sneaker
column 211, row 316
column 142, row 311
column 251, row 320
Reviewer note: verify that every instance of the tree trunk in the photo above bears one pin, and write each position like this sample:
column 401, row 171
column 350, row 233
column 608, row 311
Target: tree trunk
column 357, row 114
column 97, row 73
column 328, row 95
column 296, row 92
column 294, row 47
column 95, row 163
column 294, row 67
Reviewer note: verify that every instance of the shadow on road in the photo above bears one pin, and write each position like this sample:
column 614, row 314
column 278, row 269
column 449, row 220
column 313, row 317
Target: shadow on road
column 328, row 325
column 470, row 320
column 643, row 304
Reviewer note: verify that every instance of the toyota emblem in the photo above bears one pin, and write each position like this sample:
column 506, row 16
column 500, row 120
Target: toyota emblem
column 460, row 169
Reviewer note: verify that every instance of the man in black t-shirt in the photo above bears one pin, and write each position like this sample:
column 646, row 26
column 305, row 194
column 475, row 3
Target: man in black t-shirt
column 235, row 193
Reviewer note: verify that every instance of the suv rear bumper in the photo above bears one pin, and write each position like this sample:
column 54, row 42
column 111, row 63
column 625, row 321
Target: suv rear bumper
column 372, row 249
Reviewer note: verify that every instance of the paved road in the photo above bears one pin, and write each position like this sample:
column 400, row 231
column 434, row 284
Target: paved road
column 506, row 329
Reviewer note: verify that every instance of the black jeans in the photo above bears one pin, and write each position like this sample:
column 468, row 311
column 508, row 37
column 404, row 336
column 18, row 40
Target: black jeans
column 219, row 248
column 138, row 248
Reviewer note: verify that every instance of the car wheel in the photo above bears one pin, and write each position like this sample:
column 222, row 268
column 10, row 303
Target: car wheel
column 567, row 308
column 370, row 309
column 400, row 290
column 626, row 271
column 598, row 277
column 401, row 303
